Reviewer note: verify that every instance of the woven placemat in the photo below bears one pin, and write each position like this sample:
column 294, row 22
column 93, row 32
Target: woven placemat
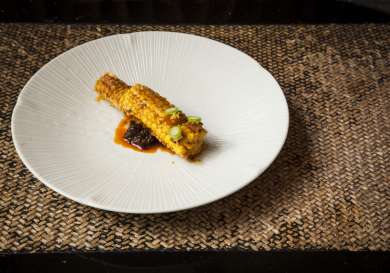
column 328, row 189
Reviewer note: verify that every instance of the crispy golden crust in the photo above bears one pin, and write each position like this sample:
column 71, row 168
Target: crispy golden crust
column 149, row 107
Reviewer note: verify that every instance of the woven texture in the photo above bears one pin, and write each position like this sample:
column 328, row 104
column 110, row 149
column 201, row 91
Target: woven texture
column 328, row 189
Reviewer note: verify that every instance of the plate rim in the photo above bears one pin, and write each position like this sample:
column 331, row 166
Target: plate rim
column 85, row 202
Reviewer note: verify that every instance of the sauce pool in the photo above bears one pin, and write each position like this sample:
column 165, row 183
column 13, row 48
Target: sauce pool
column 120, row 133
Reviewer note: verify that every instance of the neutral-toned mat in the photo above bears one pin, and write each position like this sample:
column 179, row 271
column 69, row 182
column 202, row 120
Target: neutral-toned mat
column 328, row 189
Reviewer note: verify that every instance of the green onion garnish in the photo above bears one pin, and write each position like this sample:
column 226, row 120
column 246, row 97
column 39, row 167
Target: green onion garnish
column 194, row 119
column 172, row 110
column 175, row 133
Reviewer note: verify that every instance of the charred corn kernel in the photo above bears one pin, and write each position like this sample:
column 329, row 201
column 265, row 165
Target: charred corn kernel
column 150, row 108
column 111, row 89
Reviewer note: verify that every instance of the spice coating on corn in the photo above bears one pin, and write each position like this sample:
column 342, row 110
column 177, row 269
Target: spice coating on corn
column 150, row 108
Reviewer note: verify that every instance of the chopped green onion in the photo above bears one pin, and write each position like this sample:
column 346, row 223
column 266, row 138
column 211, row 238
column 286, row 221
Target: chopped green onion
column 175, row 133
column 172, row 110
column 194, row 119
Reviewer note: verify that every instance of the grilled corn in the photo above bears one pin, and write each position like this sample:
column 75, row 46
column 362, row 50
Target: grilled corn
column 155, row 112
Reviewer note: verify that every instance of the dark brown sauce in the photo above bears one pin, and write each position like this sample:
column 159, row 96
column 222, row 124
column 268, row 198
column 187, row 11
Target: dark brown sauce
column 119, row 138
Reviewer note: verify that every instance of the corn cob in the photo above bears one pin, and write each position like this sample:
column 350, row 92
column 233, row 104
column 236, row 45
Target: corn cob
column 150, row 108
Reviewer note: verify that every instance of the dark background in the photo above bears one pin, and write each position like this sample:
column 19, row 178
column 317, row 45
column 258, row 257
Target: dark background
column 199, row 262
column 195, row 11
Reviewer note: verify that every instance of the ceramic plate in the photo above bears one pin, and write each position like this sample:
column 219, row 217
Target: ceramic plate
column 65, row 137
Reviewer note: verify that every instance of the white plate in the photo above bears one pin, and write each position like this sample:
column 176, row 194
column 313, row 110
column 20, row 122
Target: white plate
column 65, row 137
